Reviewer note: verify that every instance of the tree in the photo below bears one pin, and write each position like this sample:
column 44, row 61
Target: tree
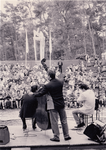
column 2, row 38
column 95, row 13
column 76, row 28
column 15, row 19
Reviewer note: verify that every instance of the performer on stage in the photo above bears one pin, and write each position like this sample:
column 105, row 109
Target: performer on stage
column 28, row 109
column 87, row 98
column 54, row 88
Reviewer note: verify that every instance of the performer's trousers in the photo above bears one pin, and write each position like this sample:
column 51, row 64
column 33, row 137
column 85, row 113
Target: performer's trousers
column 54, row 122
column 78, row 116
column 33, row 122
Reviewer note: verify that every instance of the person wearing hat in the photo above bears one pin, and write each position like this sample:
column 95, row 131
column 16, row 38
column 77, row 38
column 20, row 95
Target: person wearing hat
column 54, row 88
column 87, row 99
column 28, row 107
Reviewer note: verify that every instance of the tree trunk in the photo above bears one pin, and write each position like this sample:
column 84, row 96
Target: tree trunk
column 3, row 43
column 16, row 50
column 12, row 43
column 103, row 42
column 69, row 47
column 92, row 34
column 84, row 40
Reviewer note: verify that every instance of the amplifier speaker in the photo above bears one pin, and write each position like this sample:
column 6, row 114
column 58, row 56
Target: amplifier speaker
column 4, row 135
column 94, row 130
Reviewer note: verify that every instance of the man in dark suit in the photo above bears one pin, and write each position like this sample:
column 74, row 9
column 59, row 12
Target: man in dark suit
column 54, row 88
column 60, row 64
column 28, row 109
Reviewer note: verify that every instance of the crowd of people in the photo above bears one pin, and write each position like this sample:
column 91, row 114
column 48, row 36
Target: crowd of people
column 76, row 74
column 16, row 80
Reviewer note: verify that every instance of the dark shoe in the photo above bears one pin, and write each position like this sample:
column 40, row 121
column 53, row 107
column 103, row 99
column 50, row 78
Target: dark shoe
column 34, row 127
column 24, row 126
column 55, row 140
column 80, row 125
column 68, row 138
column 34, row 123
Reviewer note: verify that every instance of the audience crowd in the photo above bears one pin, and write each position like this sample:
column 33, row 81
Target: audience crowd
column 16, row 80
column 79, row 73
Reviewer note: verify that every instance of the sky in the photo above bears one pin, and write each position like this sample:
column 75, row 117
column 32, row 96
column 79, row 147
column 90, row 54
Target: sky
column 2, row 2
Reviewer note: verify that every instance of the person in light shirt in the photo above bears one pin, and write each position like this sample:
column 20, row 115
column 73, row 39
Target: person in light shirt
column 87, row 98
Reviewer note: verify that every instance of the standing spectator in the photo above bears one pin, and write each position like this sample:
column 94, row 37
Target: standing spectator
column 43, row 62
column 60, row 64
column 18, row 99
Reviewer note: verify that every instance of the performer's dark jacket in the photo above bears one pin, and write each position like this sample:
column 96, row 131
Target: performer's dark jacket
column 55, row 89
column 29, row 105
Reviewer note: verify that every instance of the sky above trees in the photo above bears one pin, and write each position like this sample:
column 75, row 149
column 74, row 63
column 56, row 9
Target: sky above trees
column 3, row 2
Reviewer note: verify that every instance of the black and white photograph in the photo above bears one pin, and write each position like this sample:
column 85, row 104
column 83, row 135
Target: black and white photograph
column 52, row 74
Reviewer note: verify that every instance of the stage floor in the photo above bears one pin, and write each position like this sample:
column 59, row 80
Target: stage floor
column 40, row 139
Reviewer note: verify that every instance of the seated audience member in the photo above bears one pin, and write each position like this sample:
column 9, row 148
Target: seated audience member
column 8, row 104
column 4, row 95
column 87, row 98
column 28, row 109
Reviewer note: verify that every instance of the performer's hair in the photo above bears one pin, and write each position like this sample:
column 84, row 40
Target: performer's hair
column 51, row 73
column 83, row 86
column 34, row 88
